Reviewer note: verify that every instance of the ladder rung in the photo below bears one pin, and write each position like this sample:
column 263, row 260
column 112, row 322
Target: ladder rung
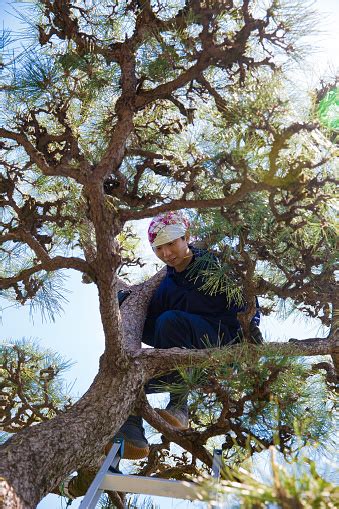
column 150, row 486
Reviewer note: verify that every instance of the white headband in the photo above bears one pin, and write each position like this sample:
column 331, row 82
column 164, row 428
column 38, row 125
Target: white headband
column 168, row 233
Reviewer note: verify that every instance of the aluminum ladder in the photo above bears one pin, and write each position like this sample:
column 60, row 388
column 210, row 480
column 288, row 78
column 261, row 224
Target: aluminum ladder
column 107, row 480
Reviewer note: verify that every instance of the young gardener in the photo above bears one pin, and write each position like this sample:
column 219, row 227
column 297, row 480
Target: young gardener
column 180, row 314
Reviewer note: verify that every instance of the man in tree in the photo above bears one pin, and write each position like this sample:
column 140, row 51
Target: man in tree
column 182, row 315
column 129, row 109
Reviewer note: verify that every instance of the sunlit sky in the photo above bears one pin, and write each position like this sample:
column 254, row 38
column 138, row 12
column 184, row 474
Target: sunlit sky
column 77, row 333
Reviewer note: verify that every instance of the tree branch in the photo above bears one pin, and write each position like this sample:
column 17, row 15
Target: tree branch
column 52, row 264
column 160, row 361
column 179, row 437
column 37, row 158
column 246, row 187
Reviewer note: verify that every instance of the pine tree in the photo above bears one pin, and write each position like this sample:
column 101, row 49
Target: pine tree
column 119, row 111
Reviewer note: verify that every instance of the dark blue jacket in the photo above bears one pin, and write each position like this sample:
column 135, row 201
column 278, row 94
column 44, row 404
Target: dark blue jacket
column 178, row 291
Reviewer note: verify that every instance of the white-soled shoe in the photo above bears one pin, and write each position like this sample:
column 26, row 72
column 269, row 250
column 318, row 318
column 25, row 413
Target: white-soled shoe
column 177, row 416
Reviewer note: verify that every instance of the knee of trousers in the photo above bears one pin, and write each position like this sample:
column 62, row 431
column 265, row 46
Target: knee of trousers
column 167, row 327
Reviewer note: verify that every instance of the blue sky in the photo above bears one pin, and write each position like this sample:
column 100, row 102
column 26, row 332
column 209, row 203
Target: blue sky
column 77, row 333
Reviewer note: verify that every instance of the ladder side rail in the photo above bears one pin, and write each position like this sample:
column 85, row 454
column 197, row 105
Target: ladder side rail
column 95, row 491
column 216, row 467
column 217, row 460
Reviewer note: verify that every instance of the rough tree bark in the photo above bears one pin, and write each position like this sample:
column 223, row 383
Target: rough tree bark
column 35, row 461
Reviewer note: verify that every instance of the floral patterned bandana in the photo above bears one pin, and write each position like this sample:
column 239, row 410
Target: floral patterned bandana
column 166, row 227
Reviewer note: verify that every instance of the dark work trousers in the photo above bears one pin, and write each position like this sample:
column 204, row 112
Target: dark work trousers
column 184, row 330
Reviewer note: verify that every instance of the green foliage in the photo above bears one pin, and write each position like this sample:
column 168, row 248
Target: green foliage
column 38, row 73
column 328, row 109
column 254, row 400
column 296, row 485
column 299, row 248
column 50, row 211
column 141, row 103
column 157, row 60
column 51, row 295
column 216, row 277
column 33, row 389
column 43, row 292
column 283, row 238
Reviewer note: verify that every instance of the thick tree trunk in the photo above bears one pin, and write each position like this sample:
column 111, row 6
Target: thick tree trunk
column 37, row 459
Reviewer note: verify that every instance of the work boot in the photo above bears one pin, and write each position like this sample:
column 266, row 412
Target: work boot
column 174, row 414
column 133, row 434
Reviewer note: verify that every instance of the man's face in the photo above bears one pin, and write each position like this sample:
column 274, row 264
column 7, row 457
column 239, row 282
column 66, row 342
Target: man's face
column 175, row 254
